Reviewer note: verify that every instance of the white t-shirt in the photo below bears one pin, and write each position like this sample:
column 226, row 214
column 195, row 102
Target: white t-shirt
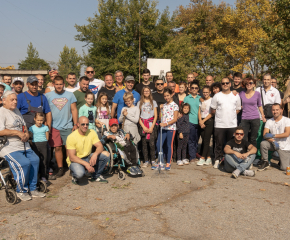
column 226, row 106
column 205, row 107
column 12, row 120
column 95, row 86
column 168, row 114
column 278, row 128
column 71, row 89
column 270, row 97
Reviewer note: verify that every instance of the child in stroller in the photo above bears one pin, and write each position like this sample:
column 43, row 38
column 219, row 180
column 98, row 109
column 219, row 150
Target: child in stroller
column 124, row 144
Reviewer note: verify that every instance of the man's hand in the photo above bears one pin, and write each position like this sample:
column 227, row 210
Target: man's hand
column 180, row 135
column 125, row 113
column 244, row 155
column 239, row 155
column 93, row 159
column 127, row 137
column 23, row 136
column 74, row 128
column 89, row 168
column 112, row 137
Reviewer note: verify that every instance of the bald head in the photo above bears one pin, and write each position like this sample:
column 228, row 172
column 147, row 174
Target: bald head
column 83, row 119
column 90, row 73
column 209, row 80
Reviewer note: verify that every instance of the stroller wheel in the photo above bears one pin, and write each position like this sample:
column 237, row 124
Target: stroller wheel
column 11, row 196
column 42, row 187
column 121, row 175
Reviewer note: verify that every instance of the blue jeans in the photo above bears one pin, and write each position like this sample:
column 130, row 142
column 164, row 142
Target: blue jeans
column 238, row 163
column 24, row 168
column 167, row 135
column 193, row 140
column 79, row 170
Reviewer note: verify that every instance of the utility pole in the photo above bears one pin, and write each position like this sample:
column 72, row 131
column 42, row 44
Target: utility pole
column 140, row 45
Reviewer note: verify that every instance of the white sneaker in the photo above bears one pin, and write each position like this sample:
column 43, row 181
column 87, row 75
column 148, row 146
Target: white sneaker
column 249, row 173
column 24, row 196
column 200, row 162
column 185, row 161
column 216, row 164
column 208, row 162
column 236, row 173
column 180, row 163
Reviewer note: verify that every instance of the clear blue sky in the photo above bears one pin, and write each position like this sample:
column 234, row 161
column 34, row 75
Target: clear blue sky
column 49, row 25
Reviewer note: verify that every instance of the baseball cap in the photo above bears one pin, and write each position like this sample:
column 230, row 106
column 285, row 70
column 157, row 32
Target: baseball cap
column 32, row 79
column 17, row 79
column 129, row 78
column 113, row 121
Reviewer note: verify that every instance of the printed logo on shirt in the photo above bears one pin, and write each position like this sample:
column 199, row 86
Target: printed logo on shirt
column 60, row 102
column 237, row 149
column 94, row 89
column 103, row 114
column 91, row 116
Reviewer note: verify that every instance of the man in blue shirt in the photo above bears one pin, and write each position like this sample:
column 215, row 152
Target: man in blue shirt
column 64, row 119
column 118, row 102
column 31, row 102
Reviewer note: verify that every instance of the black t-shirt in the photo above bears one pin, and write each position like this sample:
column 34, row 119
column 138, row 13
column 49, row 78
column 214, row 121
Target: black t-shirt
column 140, row 86
column 110, row 93
column 176, row 99
column 241, row 148
column 159, row 98
column 42, row 91
column 240, row 89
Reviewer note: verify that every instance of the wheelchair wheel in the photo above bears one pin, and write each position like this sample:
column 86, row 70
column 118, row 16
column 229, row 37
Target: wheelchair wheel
column 42, row 187
column 111, row 163
column 11, row 196
column 121, row 175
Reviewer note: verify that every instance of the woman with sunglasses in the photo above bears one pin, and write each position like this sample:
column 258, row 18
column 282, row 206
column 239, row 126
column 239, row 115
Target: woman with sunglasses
column 251, row 102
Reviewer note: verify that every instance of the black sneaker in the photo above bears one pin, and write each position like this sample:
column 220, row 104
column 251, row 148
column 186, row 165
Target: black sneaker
column 99, row 179
column 264, row 166
column 60, row 173
column 75, row 181
column 51, row 177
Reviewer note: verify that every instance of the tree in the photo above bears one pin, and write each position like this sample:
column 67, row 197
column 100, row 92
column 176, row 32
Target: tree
column 69, row 61
column 32, row 61
column 112, row 35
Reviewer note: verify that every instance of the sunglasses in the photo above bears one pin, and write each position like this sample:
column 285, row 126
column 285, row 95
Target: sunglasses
column 90, row 72
column 84, row 124
column 159, row 84
column 250, row 83
column 194, row 88
column 225, row 83
column 241, row 134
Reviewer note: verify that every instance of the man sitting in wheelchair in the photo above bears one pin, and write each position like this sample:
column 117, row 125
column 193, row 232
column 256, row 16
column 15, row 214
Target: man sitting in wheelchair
column 124, row 145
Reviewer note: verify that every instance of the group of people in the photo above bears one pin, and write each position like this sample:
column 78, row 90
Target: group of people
column 75, row 119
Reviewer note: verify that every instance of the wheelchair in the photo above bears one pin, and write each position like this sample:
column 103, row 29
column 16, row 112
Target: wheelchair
column 9, row 183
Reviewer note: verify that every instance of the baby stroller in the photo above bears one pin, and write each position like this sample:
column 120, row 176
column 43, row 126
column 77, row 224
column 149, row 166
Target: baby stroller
column 118, row 159
column 8, row 181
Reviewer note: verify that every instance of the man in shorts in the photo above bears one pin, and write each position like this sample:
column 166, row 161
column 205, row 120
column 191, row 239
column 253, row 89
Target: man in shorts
column 64, row 119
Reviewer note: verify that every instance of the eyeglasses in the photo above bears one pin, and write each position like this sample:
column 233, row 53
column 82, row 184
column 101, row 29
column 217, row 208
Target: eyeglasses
column 225, row 83
column 90, row 72
column 84, row 124
column 194, row 88
column 159, row 84
column 241, row 134
column 250, row 83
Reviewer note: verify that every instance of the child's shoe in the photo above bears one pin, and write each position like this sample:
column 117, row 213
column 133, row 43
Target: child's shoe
column 145, row 164
column 168, row 167
column 185, row 161
column 180, row 163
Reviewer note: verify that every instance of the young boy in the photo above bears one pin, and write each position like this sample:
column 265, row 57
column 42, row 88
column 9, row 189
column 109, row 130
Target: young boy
column 124, row 144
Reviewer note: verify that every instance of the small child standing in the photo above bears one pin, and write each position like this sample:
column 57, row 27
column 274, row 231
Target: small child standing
column 130, row 117
column 39, row 143
column 88, row 110
column 103, row 110
column 183, row 130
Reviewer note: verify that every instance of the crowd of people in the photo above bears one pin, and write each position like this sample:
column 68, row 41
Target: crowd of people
column 244, row 123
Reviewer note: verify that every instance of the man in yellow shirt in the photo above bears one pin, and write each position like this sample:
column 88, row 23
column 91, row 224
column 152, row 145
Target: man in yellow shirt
column 80, row 158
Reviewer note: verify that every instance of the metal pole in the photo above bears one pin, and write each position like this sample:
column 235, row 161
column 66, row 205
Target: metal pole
column 140, row 45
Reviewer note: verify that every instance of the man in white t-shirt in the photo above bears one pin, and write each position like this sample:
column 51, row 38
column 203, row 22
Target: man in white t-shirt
column 225, row 105
column 277, row 135
column 71, row 80
column 270, row 95
column 95, row 84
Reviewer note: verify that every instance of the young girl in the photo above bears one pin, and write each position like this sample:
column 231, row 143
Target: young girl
column 130, row 117
column 182, row 92
column 168, row 115
column 39, row 142
column 206, row 123
column 103, row 111
column 183, row 130
column 147, row 121
column 88, row 110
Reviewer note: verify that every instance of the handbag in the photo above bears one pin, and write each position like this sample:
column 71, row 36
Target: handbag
column 267, row 108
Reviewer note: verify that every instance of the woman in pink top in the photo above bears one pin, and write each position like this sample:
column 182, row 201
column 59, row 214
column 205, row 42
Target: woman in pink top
column 251, row 105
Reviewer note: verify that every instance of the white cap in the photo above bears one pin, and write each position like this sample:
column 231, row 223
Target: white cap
column 17, row 79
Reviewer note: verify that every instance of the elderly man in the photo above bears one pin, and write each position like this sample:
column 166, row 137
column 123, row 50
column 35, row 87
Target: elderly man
column 18, row 85
column 118, row 101
column 119, row 77
column 277, row 135
column 80, row 159
column 23, row 162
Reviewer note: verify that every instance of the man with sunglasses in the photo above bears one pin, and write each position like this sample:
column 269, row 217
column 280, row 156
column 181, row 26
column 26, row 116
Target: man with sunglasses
column 118, row 101
column 225, row 106
column 277, row 135
column 95, row 84
column 269, row 96
column 193, row 100
column 239, row 155
column 81, row 160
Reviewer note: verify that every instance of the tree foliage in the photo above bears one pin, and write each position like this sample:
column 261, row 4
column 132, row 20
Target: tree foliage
column 69, row 61
column 112, row 35
column 32, row 61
